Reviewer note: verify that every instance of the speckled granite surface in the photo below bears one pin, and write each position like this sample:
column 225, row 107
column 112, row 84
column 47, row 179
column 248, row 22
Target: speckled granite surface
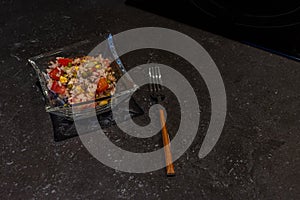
column 257, row 156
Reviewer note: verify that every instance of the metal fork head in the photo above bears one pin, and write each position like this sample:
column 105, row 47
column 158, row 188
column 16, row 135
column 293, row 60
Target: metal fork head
column 155, row 79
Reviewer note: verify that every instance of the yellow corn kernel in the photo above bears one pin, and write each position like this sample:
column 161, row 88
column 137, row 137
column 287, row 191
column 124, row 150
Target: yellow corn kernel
column 104, row 102
column 78, row 88
column 97, row 66
column 63, row 79
column 76, row 68
column 91, row 94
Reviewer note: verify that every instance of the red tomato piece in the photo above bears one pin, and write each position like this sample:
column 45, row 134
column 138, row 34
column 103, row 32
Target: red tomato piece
column 57, row 88
column 64, row 61
column 102, row 85
column 55, row 74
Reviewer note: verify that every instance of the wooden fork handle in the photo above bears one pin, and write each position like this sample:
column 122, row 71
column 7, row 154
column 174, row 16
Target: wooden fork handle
column 166, row 141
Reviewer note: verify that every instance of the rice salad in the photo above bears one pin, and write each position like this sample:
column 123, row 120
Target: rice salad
column 76, row 80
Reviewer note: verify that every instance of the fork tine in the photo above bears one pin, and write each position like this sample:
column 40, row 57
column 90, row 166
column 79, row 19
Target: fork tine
column 150, row 79
column 154, row 79
column 159, row 78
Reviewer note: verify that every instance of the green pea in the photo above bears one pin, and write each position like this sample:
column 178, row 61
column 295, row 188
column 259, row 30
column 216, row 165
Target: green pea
column 70, row 86
column 84, row 75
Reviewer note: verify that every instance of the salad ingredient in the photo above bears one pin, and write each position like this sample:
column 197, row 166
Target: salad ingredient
column 65, row 61
column 55, row 74
column 102, row 85
column 59, row 89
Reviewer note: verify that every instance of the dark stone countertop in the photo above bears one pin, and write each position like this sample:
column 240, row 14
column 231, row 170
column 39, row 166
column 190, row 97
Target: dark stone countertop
column 257, row 156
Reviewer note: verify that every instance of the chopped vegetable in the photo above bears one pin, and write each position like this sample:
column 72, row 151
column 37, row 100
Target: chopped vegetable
column 64, row 61
column 59, row 89
column 55, row 74
column 104, row 102
column 63, row 79
column 102, row 85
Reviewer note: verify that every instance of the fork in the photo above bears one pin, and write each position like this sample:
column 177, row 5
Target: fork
column 157, row 96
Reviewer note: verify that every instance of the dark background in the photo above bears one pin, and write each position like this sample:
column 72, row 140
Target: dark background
column 269, row 25
column 257, row 156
